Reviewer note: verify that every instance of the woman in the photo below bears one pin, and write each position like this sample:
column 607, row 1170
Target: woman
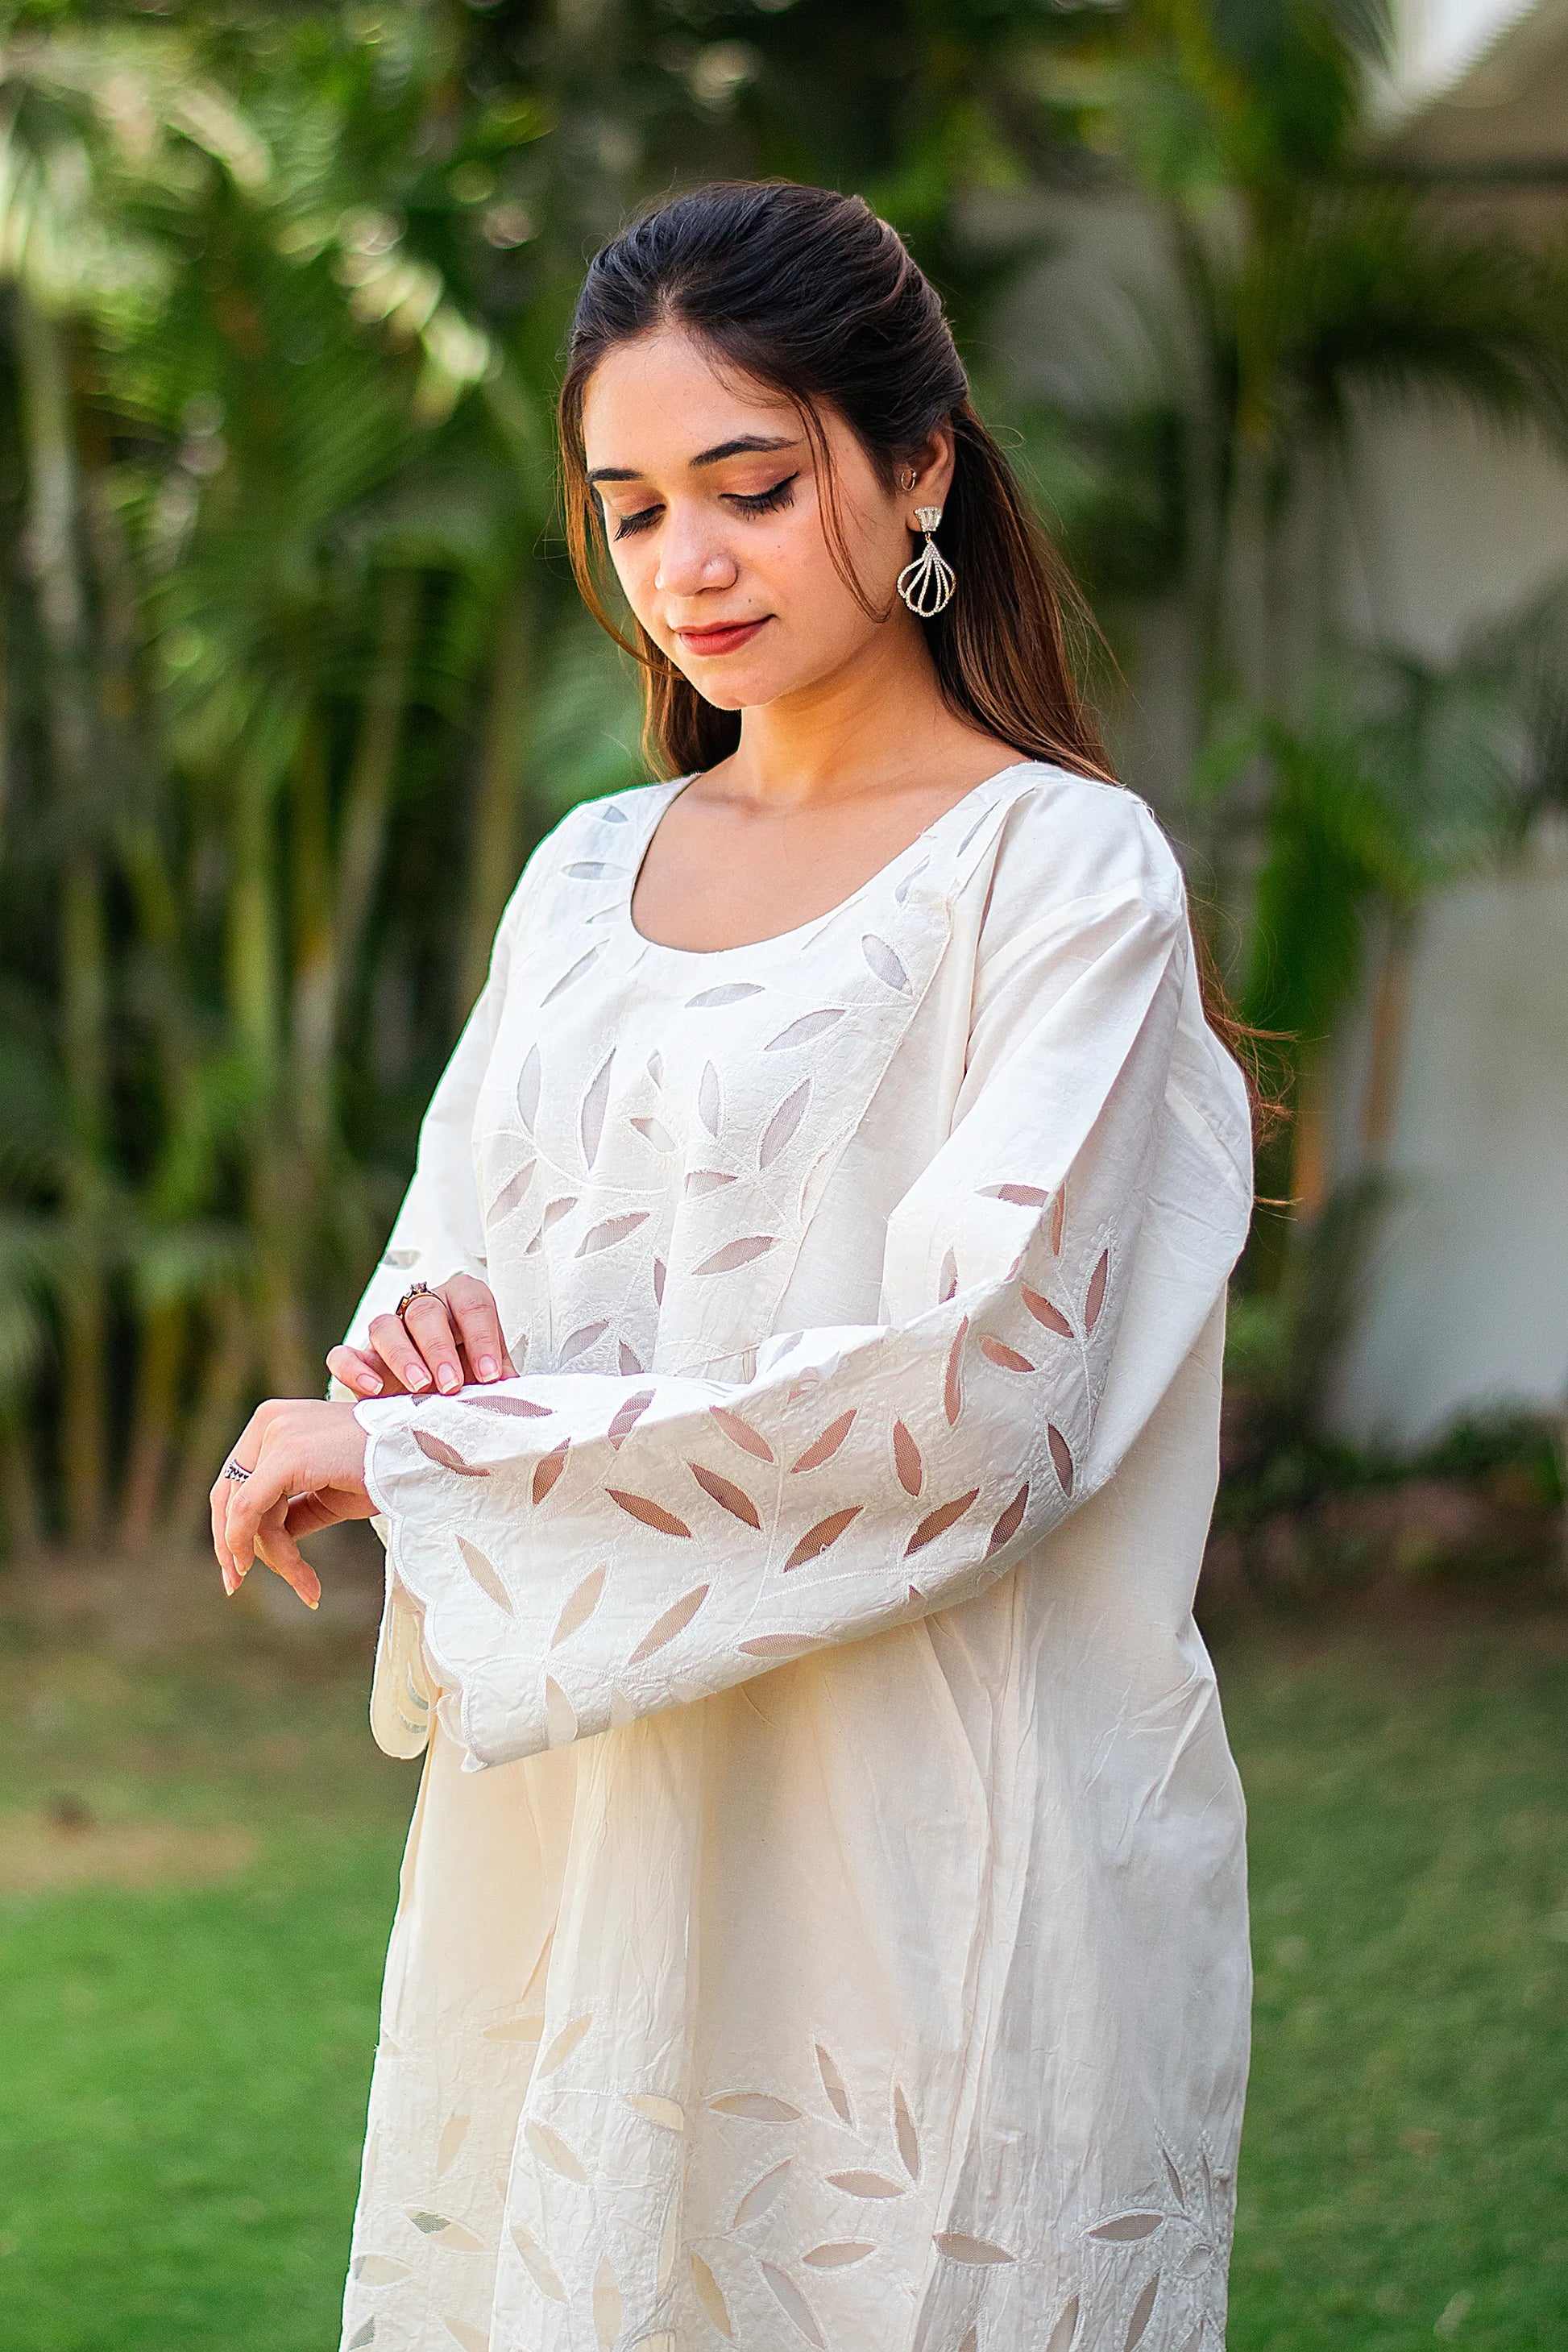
column 823, row 1919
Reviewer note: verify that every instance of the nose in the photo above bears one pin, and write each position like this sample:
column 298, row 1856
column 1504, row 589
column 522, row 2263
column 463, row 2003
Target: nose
column 692, row 556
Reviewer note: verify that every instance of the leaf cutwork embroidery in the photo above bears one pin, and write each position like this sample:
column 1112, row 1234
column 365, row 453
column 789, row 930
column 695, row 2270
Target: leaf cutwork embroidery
column 907, row 1459
column 579, row 1607
column 667, row 2114
column 361, row 2337
column 555, row 1210
column 578, row 1342
column 511, row 1193
column 865, row 2184
column 705, row 2286
column 802, row 1032
column 628, row 1360
column 1022, row 1196
column 654, row 1131
column 838, row 2253
column 651, row 1514
column 1094, row 1298
column 791, row 2301
column 937, row 1523
column 732, row 992
column 560, row 1715
column 781, row 1127
column 822, row 1449
column 674, row 1620
column 469, row 2339
column 1007, row 1358
column 1142, row 2312
column 1011, row 1520
column 1062, row 1456
column 446, row 1455
column 606, row 2304
column 626, row 1417
column 378, row 2269
column 726, row 1494
column 486, row 1576
column 548, row 1469
column 1127, row 2228
column 522, row 1408
column 953, row 1379
column 1059, row 1220
column 1041, row 1309
column 818, row 1540
column 454, row 2132
column 538, row 2264
column 564, row 2042
column 699, row 1181
column 710, row 1099
column 904, row 2132
column 658, row 1271
column 761, row 2194
column 884, row 963
column 454, row 2235
column 782, row 1645
column 742, row 1433
column 572, row 971
column 528, row 1085
column 948, row 1284
column 756, row 2107
column 833, row 2084
column 612, row 1230
column 737, row 1254
column 1065, row 2333
column 959, row 2247
column 553, row 2152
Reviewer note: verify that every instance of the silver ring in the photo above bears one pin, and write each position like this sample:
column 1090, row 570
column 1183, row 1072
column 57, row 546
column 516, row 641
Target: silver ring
column 234, row 1471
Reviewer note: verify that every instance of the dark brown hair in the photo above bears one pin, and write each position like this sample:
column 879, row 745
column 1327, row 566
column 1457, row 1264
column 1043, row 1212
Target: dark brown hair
column 807, row 292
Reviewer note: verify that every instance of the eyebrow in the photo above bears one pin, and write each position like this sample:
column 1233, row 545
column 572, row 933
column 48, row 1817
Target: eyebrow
column 744, row 445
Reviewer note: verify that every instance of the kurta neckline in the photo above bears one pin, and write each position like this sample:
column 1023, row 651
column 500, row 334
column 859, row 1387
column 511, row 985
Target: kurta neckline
column 925, row 840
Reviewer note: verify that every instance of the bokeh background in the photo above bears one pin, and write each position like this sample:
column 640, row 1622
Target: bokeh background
column 1270, row 298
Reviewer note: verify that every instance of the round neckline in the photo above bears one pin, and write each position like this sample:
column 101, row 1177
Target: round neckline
column 799, row 930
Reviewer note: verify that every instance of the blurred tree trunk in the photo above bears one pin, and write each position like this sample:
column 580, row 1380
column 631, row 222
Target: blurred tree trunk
column 502, row 767
column 363, row 840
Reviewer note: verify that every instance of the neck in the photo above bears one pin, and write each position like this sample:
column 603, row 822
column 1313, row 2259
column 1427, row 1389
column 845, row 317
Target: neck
column 879, row 716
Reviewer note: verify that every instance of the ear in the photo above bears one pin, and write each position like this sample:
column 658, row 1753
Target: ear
column 931, row 465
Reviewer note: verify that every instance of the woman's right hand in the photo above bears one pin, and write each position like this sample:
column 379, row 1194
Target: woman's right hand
column 449, row 1335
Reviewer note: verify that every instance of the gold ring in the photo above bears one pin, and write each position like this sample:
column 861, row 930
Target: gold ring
column 415, row 1290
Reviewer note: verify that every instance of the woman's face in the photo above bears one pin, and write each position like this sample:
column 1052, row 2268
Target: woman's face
column 714, row 516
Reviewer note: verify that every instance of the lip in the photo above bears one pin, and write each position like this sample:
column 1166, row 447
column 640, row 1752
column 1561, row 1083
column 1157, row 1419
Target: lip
column 722, row 636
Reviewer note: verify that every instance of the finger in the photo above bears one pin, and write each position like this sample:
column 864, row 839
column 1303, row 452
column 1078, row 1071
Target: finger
column 268, row 1485
column 393, row 1343
column 478, row 1327
column 429, row 1326
column 279, row 1551
column 357, row 1370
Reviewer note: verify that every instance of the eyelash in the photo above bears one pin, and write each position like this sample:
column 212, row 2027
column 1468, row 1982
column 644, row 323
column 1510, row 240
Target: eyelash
column 759, row 502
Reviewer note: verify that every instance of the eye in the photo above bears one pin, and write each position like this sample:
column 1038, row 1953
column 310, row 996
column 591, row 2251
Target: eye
column 633, row 523
column 765, row 501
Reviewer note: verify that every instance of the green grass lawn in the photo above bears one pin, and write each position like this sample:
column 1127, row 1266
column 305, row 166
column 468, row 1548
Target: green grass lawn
column 185, row 2065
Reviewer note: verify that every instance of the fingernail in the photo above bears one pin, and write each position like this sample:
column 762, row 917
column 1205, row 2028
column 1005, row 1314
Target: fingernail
column 447, row 1378
column 487, row 1368
column 420, row 1378
column 369, row 1384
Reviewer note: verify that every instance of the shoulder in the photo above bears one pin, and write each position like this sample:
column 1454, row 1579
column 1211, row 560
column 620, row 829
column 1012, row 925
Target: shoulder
column 593, row 836
column 1063, row 838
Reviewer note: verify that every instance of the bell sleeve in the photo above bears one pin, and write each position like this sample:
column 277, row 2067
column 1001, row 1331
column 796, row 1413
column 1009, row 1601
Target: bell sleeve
column 587, row 1549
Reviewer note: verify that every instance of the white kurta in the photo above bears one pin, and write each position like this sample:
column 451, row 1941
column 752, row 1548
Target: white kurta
column 823, row 1920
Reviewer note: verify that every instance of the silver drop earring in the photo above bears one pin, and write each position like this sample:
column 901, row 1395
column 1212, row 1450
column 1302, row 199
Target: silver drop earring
column 927, row 583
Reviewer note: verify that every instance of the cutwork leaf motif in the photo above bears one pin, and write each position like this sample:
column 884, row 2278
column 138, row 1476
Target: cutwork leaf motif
column 578, row 1342
column 1011, row 1520
column 553, row 2152
column 658, row 1272
column 516, row 2029
column 999, row 1353
column 726, row 1494
column 952, row 1380
column 906, row 1457
column 1061, row 1455
column 1065, row 2333
column 1059, row 1220
column 446, row 1455
column 699, row 1181
column 1021, row 1196
column 737, row 1254
column 1142, row 2312
column 572, row 971
column 822, row 1449
column 669, row 2245
column 818, row 1540
column 564, row 2043
column 792, row 2302
column 589, row 870
column 838, row 2253
column 461, row 2333
column 761, row 2194
column 548, row 1468
column 781, row 1127
column 782, row 1645
column 949, row 1283
column 674, row 1620
column 579, row 1607
column 865, row 2184
column 361, row 2337
column 833, row 2084
column 378, row 2269
column 756, row 2106
column 628, row 1361
column 709, row 1100
column 731, row 992
column 1095, row 1298
column 486, row 1576
column 528, row 1085
column 1127, row 2228
column 553, row 1212
column 453, row 2235
column 1041, row 1309
column 906, row 2135
column 606, row 2304
column 1174, row 2178
column 627, row 1416
column 560, row 1715
column 454, row 2132
column 523, row 1408
column 654, row 1131
column 401, row 1257
column 538, row 2264
column 511, row 1194
column 884, row 963
column 742, row 1433
column 705, row 2286
column 937, row 1523
column 802, row 1032
column 667, row 2114
column 613, row 1230
column 612, row 813
column 651, row 1514
column 959, row 2247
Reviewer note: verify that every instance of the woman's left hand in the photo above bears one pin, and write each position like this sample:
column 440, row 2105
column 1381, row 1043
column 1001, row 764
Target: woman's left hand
column 305, row 1464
